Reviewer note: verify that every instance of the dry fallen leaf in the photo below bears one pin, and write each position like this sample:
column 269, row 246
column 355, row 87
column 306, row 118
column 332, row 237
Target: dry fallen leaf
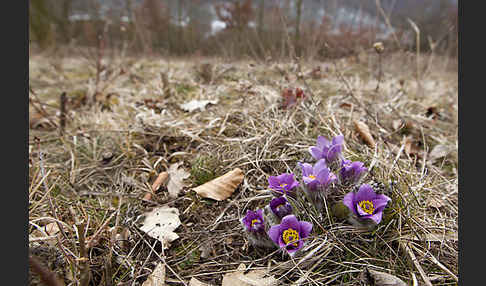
column 439, row 151
column 197, row 104
column 176, row 176
column 396, row 124
column 195, row 282
column 222, row 187
column 376, row 278
column 252, row 278
column 157, row 278
column 160, row 224
column 411, row 147
column 161, row 178
column 364, row 132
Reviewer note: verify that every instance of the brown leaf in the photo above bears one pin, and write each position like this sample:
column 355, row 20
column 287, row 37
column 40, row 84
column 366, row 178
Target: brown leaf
column 176, row 176
column 396, row 124
column 439, row 151
column 252, row 278
column 222, row 187
column 161, row 178
column 411, row 147
column 160, row 224
column 364, row 132
column 345, row 105
column 157, row 278
column 376, row 278
column 195, row 282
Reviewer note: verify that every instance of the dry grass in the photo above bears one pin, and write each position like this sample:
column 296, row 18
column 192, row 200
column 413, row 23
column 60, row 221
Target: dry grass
column 145, row 130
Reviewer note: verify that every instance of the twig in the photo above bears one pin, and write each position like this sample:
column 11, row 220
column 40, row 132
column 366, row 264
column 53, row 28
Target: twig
column 47, row 276
column 387, row 20
column 93, row 239
column 62, row 116
column 437, row 262
column 410, row 253
column 417, row 44
column 83, row 255
column 40, row 109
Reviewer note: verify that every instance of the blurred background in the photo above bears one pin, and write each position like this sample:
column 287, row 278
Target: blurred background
column 243, row 28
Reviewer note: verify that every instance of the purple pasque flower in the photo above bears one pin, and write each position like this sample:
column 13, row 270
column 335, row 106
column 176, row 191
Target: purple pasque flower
column 253, row 221
column 366, row 204
column 331, row 151
column 316, row 176
column 289, row 234
column 280, row 207
column 283, row 183
column 351, row 172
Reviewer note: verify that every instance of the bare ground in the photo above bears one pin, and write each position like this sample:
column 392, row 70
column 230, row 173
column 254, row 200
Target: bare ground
column 136, row 117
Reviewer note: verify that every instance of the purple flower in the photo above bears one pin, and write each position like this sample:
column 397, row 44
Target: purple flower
column 253, row 221
column 351, row 172
column 317, row 175
column 280, row 207
column 283, row 183
column 331, row 151
column 366, row 203
column 289, row 234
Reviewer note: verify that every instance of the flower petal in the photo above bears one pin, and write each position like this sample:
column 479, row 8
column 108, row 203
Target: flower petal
column 305, row 229
column 320, row 165
column 316, row 153
column 338, row 140
column 377, row 217
column 306, row 168
column 380, row 202
column 293, row 249
column 322, row 142
column 348, row 201
column 365, row 193
column 289, row 221
column 273, row 181
column 274, row 233
column 323, row 176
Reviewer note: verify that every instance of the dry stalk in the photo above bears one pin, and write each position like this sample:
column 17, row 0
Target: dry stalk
column 62, row 115
column 404, row 246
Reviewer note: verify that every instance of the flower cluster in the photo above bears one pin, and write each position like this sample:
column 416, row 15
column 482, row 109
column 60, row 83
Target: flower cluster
column 279, row 225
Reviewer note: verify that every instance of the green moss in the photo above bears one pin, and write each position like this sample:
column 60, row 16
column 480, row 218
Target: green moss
column 184, row 88
column 202, row 170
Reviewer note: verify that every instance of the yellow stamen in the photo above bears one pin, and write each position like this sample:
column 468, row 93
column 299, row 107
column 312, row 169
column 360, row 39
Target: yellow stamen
column 253, row 221
column 283, row 185
column 367, row 206
column 312, row 177
column 289, row 236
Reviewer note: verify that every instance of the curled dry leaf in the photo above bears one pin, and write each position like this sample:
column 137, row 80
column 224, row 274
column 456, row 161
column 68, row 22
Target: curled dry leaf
column 439, row 151
column 161, row 178
column 364, row 132
column 411, row 147
column 160, row 224
column 376, row 278
column 157, row 278
column 197, row 104
column 222, row 187
column 252, row 278
column 176, row 177
column 195, row 282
